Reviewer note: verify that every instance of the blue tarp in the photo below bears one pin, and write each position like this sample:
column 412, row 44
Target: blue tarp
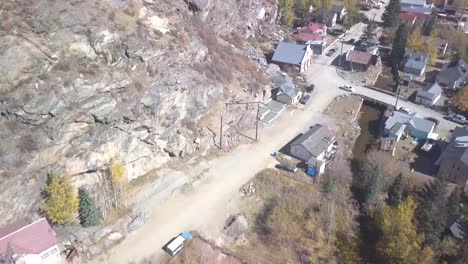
column 311, row 171
column 186, row 235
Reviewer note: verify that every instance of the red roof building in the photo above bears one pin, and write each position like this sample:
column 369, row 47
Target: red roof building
column 411, row 17
column 314, row 29
column 24, row 243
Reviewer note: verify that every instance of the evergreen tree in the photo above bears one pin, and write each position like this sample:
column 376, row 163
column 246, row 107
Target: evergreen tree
column 395, row 192
column 432, row 210
column 398, row 50
column 391, row 15
column 374, row 186
column 61, row 201
column 454, row 201
column 89, row 215
column 369, row 31
column 429, row 25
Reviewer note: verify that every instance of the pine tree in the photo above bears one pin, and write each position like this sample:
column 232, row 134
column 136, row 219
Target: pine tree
column 432, row 210
column 374, row 186
column 369, row 31
column 398, row 50
column 89, row 215
column 454, row 201
column 395, row 192
column 391, row 15
column 61, row 201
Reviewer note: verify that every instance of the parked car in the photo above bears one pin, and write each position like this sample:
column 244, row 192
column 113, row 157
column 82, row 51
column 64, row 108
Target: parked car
column 304, row 99
column 286, row 167
column 404, row 110
column 348, row 88
column 434, row 120
column 310, row 88
column 457, row 118
column 330, row 52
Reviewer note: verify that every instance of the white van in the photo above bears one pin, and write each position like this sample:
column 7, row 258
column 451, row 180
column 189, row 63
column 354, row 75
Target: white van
column 175, row 245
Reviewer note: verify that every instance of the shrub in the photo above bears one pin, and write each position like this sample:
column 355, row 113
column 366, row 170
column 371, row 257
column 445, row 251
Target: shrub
column 61, row 201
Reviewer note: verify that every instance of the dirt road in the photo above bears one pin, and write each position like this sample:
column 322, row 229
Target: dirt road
column 204, row 207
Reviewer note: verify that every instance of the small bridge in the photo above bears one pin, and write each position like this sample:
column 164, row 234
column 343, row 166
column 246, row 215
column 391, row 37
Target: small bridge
column 375, row 101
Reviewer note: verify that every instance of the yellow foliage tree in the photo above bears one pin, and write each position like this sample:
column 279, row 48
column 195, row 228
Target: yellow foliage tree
column 62, row 202
column 414, row 41
column 461, row 98
column 118, row 171
column 400, row 242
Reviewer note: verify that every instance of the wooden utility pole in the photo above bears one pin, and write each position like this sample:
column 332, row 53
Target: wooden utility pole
column 221, row 134
column 256, row 123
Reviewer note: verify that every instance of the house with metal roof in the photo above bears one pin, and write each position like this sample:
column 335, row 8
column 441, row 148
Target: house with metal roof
column 298, row 55
column 453, row 162
column 415, row 3
column 358, row 60
column 22, row 242
column 417, row 127
column 422, row 10
column 312, row 146
column 429, row 95
column 453, row 75
column 415, row 62
column 284, row 90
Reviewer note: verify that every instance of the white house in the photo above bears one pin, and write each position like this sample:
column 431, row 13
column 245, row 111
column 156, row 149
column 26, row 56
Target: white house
column 313, row 146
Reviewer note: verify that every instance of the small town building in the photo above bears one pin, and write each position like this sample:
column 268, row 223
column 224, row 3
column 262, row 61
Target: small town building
column 284, row 90
column 409, row 18
column 339, row 10
column 288, row 95
column 453, row 162
column 314, row 146
column 453, row 75
column 29, row 243
column 388, row 145
column 414, row 3
column 417, row 127
column 421, row 10
column 415, row 62
column 429, row 95
column 318, row 29
column 298, row 55
column 358, row 60
column 455, row 225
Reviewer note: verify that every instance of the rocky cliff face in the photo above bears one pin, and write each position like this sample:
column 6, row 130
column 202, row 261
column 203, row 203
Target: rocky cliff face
column 83, row 81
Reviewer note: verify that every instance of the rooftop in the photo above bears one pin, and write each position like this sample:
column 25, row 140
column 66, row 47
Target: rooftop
column 310, row 37
column 430, row 92
column 312, row 27
column 358, row 57
column 454, row 70
column 408, row 119
column 291, row 53
column 417, row 9
column 23, row 238
column 316, row 140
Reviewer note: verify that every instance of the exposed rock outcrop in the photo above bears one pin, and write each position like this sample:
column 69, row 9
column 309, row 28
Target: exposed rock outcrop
column 82, row 82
